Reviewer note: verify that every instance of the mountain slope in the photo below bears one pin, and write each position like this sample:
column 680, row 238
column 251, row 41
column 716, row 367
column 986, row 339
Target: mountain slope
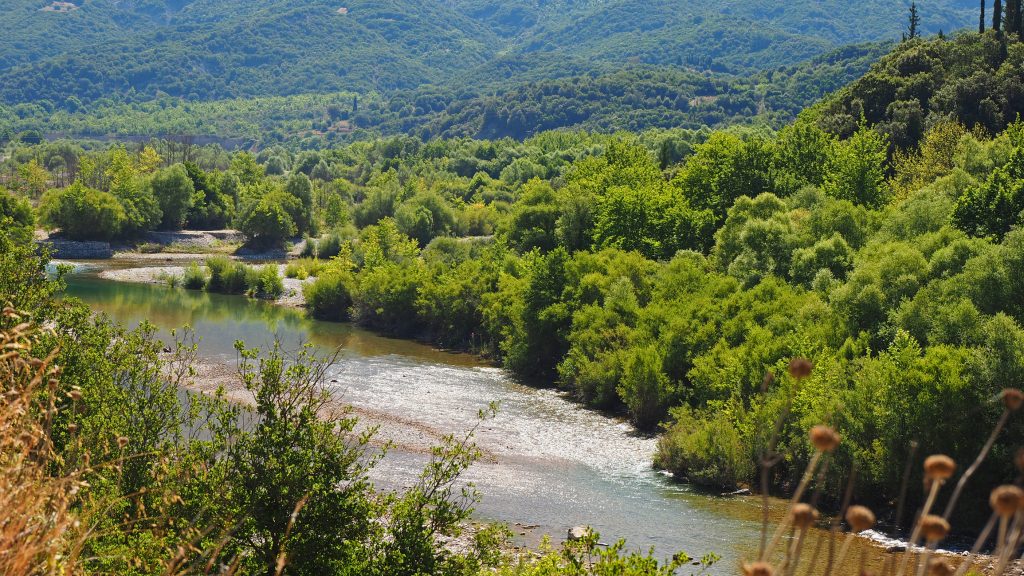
column 211, row 50
column 219, row 49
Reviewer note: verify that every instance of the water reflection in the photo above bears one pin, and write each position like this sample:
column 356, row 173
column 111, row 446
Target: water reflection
column 221, row 320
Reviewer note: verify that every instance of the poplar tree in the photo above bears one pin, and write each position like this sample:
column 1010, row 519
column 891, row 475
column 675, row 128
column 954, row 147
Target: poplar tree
column 981, row 22
column 997, row 16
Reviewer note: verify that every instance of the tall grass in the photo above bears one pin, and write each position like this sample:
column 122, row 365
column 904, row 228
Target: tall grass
column 40, row 531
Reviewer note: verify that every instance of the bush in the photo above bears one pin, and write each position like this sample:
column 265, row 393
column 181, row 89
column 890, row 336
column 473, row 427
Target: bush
column 270, row 221
column 83, row 213
column 706, row 450
column 265, row 282
column 226, row 275
column 194, row 277
column 16, row 215
column 329, row 246
column 304, row 268
column 329, row 297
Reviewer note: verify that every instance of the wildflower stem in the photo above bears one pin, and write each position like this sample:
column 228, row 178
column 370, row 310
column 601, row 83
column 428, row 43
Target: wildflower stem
column 844, row 549
column 982, row 538
column 927, row 559
column 1009, row 547
column 794, row 554
column 974, row 466
column 917, row 526
column 808, row 474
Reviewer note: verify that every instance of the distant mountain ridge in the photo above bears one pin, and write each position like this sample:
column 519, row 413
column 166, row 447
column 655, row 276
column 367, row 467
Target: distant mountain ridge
column 217, row 49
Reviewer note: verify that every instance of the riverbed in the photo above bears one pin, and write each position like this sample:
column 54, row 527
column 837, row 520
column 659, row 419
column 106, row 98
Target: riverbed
column 548, row 463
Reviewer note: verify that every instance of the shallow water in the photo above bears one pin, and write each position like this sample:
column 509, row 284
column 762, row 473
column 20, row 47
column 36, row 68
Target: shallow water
column 548, row 462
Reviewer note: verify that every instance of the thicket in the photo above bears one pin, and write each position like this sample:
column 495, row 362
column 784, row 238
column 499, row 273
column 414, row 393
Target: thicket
column 115, row 464
column 223, row 275
column 669, row 294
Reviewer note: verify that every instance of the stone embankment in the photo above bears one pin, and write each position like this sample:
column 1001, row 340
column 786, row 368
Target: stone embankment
column 77, row 250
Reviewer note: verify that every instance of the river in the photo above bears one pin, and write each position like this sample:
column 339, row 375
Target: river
column 548, row 462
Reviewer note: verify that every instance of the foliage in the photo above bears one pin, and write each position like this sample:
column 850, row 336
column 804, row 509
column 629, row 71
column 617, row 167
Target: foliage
column 83, row 213
column 175, row 191
column 587, row 557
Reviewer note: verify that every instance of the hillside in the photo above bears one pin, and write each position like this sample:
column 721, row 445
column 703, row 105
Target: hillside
column 635, row 97
column 973, row 79
column 213, row 49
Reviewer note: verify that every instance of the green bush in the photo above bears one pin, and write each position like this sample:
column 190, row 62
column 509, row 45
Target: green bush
column 194, row 277
column 265, row 282
column 83, row 213
column 226, row 275
column 704, row 450
column 328, row 246
column 304, row 268
column 329, row 297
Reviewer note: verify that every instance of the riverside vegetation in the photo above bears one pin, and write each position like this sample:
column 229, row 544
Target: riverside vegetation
column 109, row 466
column 671, row 275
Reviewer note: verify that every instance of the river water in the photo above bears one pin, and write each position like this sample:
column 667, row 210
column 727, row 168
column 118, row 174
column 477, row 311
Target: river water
column 548, row 462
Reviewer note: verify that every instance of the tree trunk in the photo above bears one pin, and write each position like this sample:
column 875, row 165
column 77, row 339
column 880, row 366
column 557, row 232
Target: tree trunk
column 997, row 16
column 981, row 23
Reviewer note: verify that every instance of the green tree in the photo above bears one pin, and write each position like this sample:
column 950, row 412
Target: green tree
column 534, row 216
column 16, row 216
column 298, row 479
column 175, row 191
column 856, row 169
column 83, row 213
column 270, row 222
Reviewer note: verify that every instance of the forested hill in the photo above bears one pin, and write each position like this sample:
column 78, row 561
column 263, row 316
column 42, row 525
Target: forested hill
column 70, row 53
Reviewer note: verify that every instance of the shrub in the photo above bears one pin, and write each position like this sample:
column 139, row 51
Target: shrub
column 329, row 246
column 304, row 268
column 83, row 213
column 265, row 282
column 271, row 221
column 329, row 297
column 194, row 277
column 704, row 450
column 226, row 275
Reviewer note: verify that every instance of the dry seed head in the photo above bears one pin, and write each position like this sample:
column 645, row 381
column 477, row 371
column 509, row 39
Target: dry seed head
column 1006, row 500
column 758, row 569
column 122, row 442
column 1013, row 398
column 1018, row 459
column 824, row 438
column 800, row 368
column 860, row 518
column 75, row 394
column 804, row 515
column 934, row 528
column 939, row 467
column 941, row 568
column 72, row 428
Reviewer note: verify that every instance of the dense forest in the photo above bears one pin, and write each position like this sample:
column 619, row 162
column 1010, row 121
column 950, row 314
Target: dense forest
column 635, row 98
column 203, row 67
